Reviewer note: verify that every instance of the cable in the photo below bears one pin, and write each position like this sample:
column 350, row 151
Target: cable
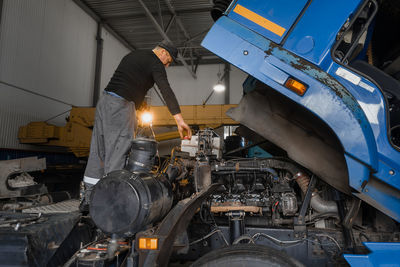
column 72, row 259
column 34, row 93
column 331, row 238
column 206, row 236
column 216, row 226
column 277, row 241
column 243, row 237
column 58, row 115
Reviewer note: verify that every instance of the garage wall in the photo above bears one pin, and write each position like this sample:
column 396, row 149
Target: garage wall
column 47, row 47
column 113, row 52
column 191, row 91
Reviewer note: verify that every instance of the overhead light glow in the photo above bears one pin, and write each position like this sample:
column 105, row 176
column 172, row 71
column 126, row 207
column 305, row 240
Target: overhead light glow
column 147, row 117
column 219, row 87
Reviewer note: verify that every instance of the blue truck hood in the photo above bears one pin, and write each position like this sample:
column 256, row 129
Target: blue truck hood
column 270, row 18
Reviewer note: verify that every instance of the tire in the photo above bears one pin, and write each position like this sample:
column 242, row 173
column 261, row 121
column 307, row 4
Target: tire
column 246, row 255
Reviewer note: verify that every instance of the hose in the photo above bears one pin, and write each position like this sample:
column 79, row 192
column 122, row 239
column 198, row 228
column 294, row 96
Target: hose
column 317, row 203
column 243, row 237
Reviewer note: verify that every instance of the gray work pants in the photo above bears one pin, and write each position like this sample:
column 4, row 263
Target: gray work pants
column 113, row 131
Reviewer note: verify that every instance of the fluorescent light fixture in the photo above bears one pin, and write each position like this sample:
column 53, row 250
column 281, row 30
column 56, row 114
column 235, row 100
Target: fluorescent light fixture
column 219, row 87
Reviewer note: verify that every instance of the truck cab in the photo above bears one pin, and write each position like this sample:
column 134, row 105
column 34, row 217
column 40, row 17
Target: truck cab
column 321, row 87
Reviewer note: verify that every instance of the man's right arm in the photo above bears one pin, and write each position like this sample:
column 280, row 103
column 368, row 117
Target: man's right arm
column 160, row 78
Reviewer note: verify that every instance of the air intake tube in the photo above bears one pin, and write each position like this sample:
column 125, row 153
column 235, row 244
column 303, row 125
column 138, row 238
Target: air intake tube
column 317, row 203
column 142, row 155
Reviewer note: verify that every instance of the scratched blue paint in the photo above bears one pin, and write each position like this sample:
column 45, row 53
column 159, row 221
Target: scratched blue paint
column 260, row 49
column 357, row 114
column 358, row 173
column 382, row 254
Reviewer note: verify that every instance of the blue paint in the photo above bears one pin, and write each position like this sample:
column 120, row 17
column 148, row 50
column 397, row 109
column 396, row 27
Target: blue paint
column 271, row 10
column 322, row 27
column 305, row 45
column 355, row 112
column 382, row 254
column 346, row 117
column 258, row 152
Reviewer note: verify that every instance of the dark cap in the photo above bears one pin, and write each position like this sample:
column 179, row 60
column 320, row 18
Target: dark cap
column 170, row 48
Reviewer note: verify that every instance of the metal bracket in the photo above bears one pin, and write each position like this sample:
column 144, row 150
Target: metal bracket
column 174, row 223
column 300, row 229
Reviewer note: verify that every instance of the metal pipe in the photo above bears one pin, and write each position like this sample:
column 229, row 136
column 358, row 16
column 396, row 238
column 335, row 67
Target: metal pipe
column 186, row 11
column 321, row 205
column 317, row 203
column 165, row 36
column 160, row 15
column 112, row 247
column 34, row 93
column 1, row 10
column 208, row 97
column 98, row 67
column 197, row 35
column 227, row 82
column 178, row 20
column 347, row 232
column 169, row 24
column 236, row 225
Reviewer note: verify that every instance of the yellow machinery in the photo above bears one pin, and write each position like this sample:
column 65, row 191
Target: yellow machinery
column 76, row 134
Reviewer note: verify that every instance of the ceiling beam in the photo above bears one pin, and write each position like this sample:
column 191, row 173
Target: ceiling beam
column 169, row 24
column 177, row 19
column 105, row 25
column 165, row 36
column 183, row 29
column 142, row 15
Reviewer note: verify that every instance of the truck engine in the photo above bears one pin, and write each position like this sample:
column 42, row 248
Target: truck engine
column 238, row 203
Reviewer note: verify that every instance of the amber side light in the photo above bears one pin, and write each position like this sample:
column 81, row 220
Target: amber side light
column 296, row 86
column 148, row 243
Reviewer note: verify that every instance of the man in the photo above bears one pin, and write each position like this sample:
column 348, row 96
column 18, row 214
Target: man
column 115, row 113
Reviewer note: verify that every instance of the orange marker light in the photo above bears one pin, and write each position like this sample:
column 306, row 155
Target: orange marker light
column 148, row 243
column 296, row 86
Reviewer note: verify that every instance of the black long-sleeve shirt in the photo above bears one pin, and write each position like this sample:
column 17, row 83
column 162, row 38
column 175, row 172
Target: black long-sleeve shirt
column 136, row 74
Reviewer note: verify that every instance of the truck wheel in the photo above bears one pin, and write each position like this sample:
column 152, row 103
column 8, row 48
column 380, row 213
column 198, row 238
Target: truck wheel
column 246, row 255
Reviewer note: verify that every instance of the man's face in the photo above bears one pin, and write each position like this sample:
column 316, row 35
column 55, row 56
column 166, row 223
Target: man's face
column 165, row 58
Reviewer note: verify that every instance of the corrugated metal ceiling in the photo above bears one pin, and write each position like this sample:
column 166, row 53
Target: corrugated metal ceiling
column 129, row 20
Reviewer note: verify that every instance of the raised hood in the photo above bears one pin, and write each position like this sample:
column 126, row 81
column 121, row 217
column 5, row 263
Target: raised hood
column 270, row 18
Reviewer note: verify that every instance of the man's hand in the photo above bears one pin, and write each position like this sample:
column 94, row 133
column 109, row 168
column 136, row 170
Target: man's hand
column 182, row 126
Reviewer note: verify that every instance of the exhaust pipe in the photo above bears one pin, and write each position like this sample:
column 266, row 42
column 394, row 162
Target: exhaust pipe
column 317, row 203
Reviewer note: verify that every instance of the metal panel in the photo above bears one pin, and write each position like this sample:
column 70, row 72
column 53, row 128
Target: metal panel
column 191, row 91
column 113, row 52
column 314, row 42
column 271, row 19
column 48, row 47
